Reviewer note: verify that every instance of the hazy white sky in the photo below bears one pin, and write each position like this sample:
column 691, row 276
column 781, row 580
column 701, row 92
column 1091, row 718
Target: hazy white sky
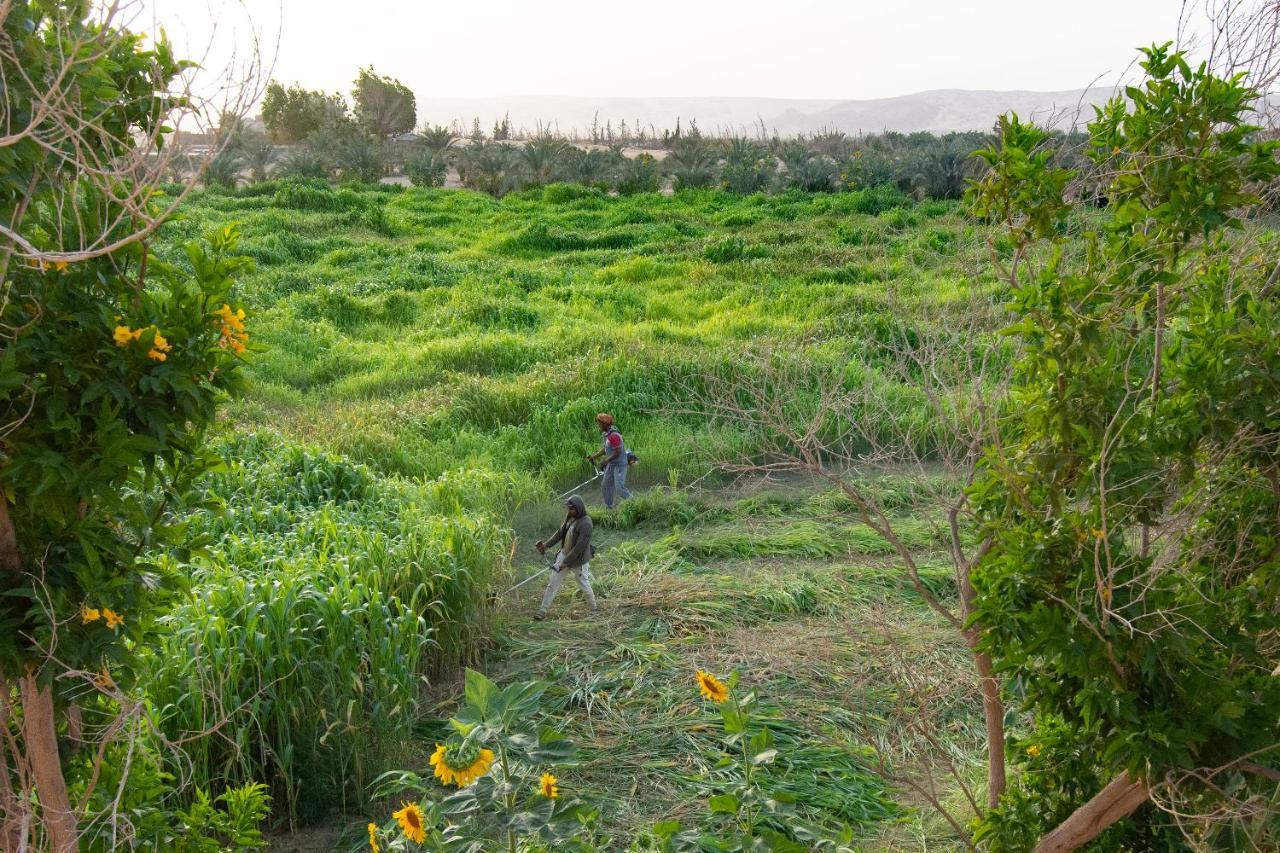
column 778, row 48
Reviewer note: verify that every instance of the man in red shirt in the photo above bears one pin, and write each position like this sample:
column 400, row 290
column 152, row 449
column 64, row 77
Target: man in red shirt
column 614, row 453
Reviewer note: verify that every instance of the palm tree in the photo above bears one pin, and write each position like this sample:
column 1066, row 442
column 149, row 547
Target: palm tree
column 438, row 138
column 943, row 167
column 807, row 169
column 692, row 163
column 488, row 167
column 259, row 154
column 541, row 158
column 593, row 167
column 749, row 167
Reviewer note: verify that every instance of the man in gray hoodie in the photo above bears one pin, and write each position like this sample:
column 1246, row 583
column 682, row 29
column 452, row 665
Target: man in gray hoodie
column 574, row 538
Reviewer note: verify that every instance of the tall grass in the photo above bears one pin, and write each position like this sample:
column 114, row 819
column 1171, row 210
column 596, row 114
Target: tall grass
column 473, row 332
column 328, row 595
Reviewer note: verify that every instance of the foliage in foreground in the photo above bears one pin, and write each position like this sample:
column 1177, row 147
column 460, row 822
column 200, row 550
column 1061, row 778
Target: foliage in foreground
column 1132, row 500
column 501, row 757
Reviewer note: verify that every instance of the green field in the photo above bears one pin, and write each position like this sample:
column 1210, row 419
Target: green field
column 428, row 365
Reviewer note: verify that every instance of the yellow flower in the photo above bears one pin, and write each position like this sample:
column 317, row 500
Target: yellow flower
column 114, row 620
column 712, row 688
column 1033, row 750
column 443, row 771
column 125, row 336
column 158, row 348
column 548, row 787
column 234, row 337
column 467, row 765
column 60, row 266
column 478, row 768
column 90, row 614
column 104, row 680
column 373, row 837
column 410, row 819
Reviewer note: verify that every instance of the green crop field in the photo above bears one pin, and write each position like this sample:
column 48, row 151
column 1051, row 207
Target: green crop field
column 954, row 472
column 426, row 369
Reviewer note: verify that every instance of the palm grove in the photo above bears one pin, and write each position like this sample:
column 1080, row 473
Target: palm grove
column 313, row 134
column 1115, row 507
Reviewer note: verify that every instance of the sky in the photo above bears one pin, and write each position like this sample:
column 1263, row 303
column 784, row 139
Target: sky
column 829, row 49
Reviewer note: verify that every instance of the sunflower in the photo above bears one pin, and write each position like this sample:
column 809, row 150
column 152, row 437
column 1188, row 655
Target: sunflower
column 547, row 786
column 410, row 819
column 460, row 764
column 373, row 837
column 712, row 687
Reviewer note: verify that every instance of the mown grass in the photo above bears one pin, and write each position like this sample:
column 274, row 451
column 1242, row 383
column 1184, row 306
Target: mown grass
column 824, row 637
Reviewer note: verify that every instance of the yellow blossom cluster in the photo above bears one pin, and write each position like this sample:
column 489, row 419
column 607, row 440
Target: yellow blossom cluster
column 159, row 346
column 92, row 614
column 234, row 337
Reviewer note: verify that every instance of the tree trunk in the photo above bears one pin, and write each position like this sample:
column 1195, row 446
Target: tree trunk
column 40, row 736
column 11, row 813
column 10, row 559
column 1113, row 803
column 993, row 712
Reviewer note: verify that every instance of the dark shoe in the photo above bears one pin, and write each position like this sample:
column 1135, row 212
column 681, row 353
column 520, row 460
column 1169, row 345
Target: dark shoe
column 538, row 617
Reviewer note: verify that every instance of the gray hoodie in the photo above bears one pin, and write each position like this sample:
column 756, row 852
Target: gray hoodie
column 575, row 533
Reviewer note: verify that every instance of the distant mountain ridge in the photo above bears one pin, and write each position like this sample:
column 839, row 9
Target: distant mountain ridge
column 936, row 111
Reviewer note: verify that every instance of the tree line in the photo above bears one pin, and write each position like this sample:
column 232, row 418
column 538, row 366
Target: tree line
column 314, row 134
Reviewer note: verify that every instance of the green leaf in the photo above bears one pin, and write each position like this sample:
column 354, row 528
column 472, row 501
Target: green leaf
column 724, row 804
column 480, row 691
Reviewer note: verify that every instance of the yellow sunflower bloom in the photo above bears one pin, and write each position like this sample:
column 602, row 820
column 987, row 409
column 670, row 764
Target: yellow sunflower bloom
column 443, row 771
column 410, row 820
column 712, row 688
column 479, row 767
column 90, row 614
column 460, row 764
column 114, row 620
column 373, row 837
column 547, row 786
